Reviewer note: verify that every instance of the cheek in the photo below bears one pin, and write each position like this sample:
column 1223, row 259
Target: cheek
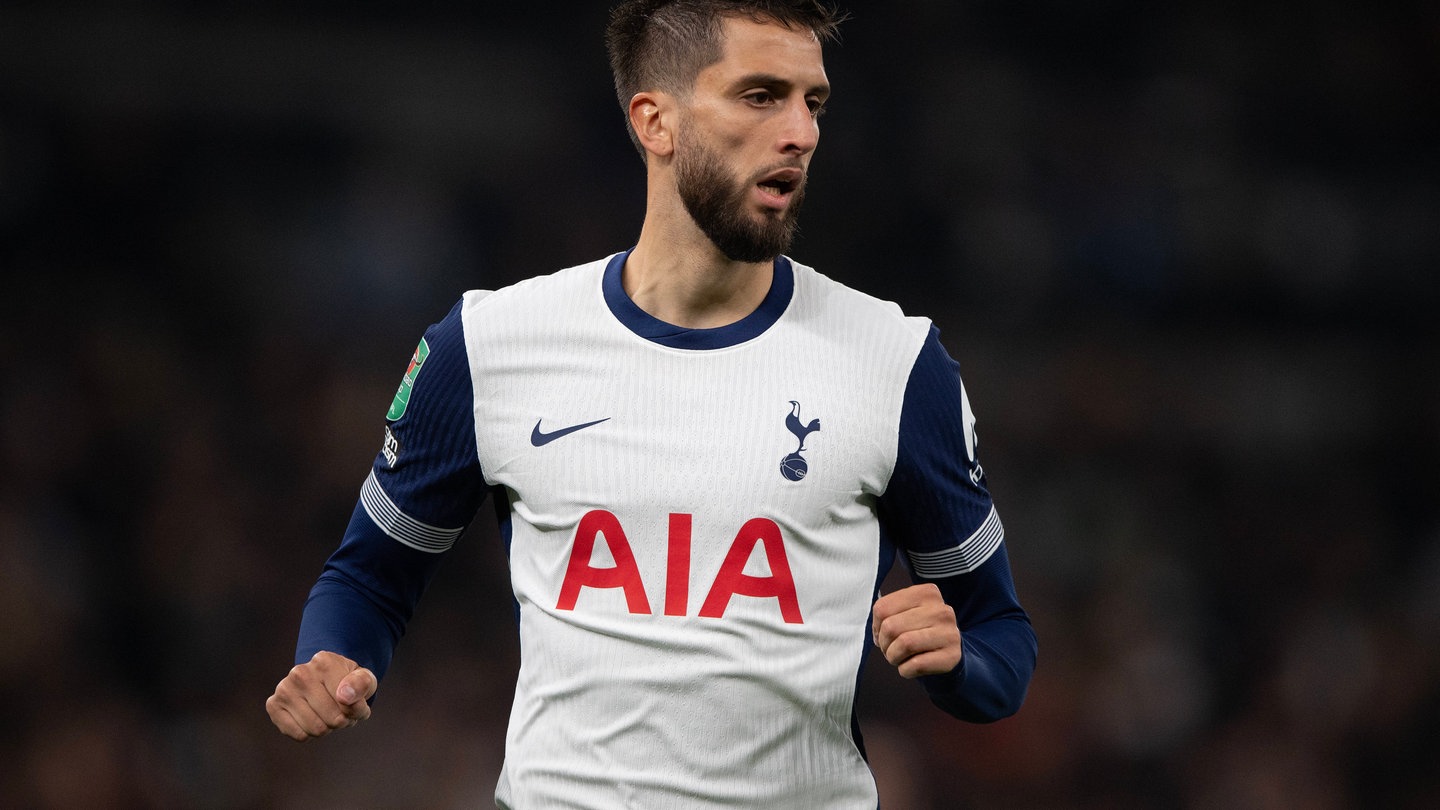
column 734, row 138
column 742, row 139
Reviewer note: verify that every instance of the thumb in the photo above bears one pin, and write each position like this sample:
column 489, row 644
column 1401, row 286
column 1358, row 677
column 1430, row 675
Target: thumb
column 356, row 686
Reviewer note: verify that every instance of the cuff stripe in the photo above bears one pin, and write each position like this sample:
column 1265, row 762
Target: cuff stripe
column 400, row 526
column 964, row 558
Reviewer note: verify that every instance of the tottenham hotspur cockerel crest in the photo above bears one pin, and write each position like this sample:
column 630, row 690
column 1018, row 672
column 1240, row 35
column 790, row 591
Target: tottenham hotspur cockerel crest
column 794, row 467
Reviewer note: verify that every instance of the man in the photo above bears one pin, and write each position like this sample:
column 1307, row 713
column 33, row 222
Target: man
column 705, row 456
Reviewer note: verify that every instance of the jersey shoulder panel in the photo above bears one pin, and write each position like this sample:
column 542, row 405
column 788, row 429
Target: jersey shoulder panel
column 484, row 310
column 818, row 293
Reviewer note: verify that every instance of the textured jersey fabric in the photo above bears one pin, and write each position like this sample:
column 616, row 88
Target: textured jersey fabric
column 696, row 522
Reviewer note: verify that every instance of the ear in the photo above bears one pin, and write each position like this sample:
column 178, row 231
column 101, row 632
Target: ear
column 652, row 115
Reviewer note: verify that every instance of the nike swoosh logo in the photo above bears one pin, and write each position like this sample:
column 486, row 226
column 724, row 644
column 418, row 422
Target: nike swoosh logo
column 540, row 439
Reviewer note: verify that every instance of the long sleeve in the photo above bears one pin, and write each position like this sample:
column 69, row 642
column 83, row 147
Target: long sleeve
column 938, row 512
column 422, row 491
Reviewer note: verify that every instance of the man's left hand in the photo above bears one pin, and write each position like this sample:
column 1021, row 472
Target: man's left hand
column 916, row 631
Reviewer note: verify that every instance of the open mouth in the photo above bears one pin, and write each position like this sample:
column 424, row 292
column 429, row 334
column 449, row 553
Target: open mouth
column 781, row 184
column 778, row 186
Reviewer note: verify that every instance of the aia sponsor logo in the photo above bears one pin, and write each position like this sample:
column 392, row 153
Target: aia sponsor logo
column 756, row 536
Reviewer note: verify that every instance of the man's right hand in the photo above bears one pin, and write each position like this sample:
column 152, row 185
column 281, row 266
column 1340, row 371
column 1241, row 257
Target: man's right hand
column 326, row 693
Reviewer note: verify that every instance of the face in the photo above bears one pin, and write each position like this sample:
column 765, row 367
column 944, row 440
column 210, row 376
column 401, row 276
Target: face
column 746, row 138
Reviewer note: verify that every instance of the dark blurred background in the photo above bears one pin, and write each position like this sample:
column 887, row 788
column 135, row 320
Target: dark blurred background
column 1186, row 254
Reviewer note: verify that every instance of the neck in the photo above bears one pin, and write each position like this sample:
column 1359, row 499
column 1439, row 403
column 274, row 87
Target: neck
column 677, row 275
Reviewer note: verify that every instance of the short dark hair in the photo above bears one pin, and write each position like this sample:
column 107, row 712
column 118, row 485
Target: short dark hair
column 664, row 44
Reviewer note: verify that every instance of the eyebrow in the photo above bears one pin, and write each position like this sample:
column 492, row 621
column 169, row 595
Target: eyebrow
column 771, row 80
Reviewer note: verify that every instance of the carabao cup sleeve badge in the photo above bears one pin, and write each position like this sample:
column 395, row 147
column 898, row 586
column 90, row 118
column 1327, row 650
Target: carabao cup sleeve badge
column 407, row 383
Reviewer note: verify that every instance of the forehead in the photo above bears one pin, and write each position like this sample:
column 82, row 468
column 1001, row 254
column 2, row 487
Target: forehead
column 750, row 48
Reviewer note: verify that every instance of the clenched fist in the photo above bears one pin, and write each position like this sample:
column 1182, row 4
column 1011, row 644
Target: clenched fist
column 916, row 631
column 326, row 693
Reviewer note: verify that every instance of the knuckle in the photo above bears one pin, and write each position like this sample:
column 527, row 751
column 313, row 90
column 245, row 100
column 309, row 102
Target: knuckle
column 907, row 644
column 887, row 627
column 296, row 733
column 324, row 658
column 899, row 650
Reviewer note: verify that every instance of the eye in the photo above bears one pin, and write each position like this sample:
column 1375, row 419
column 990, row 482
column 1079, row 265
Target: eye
column 760, row 98
column 816, row 105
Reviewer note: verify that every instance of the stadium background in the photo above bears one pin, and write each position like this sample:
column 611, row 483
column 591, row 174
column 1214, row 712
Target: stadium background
column 1185, row 252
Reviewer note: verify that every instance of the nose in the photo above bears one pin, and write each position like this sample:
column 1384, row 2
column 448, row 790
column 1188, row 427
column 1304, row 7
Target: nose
column 800, row 131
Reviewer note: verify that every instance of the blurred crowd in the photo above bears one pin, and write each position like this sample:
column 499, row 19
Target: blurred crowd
column 1186, row 255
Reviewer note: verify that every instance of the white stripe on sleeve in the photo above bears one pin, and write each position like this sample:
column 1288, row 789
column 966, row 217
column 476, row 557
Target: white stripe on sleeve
column 400, row 526
column 964, row 558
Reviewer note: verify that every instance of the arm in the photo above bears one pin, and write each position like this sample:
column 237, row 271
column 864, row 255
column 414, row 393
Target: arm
column 423, row 489
column 960, row 629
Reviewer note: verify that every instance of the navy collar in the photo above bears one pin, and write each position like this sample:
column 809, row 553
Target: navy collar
column 642, row 323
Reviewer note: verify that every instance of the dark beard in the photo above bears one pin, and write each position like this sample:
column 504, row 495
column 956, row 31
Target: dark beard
column 719, row 209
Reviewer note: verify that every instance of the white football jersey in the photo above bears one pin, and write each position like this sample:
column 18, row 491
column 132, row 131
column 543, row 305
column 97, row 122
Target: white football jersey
column 697, row 523
column 693, row 542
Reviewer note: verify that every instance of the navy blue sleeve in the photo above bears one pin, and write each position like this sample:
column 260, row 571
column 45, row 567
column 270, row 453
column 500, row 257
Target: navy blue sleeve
column 364, row 597
column 938, row 511
column 423, row 490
